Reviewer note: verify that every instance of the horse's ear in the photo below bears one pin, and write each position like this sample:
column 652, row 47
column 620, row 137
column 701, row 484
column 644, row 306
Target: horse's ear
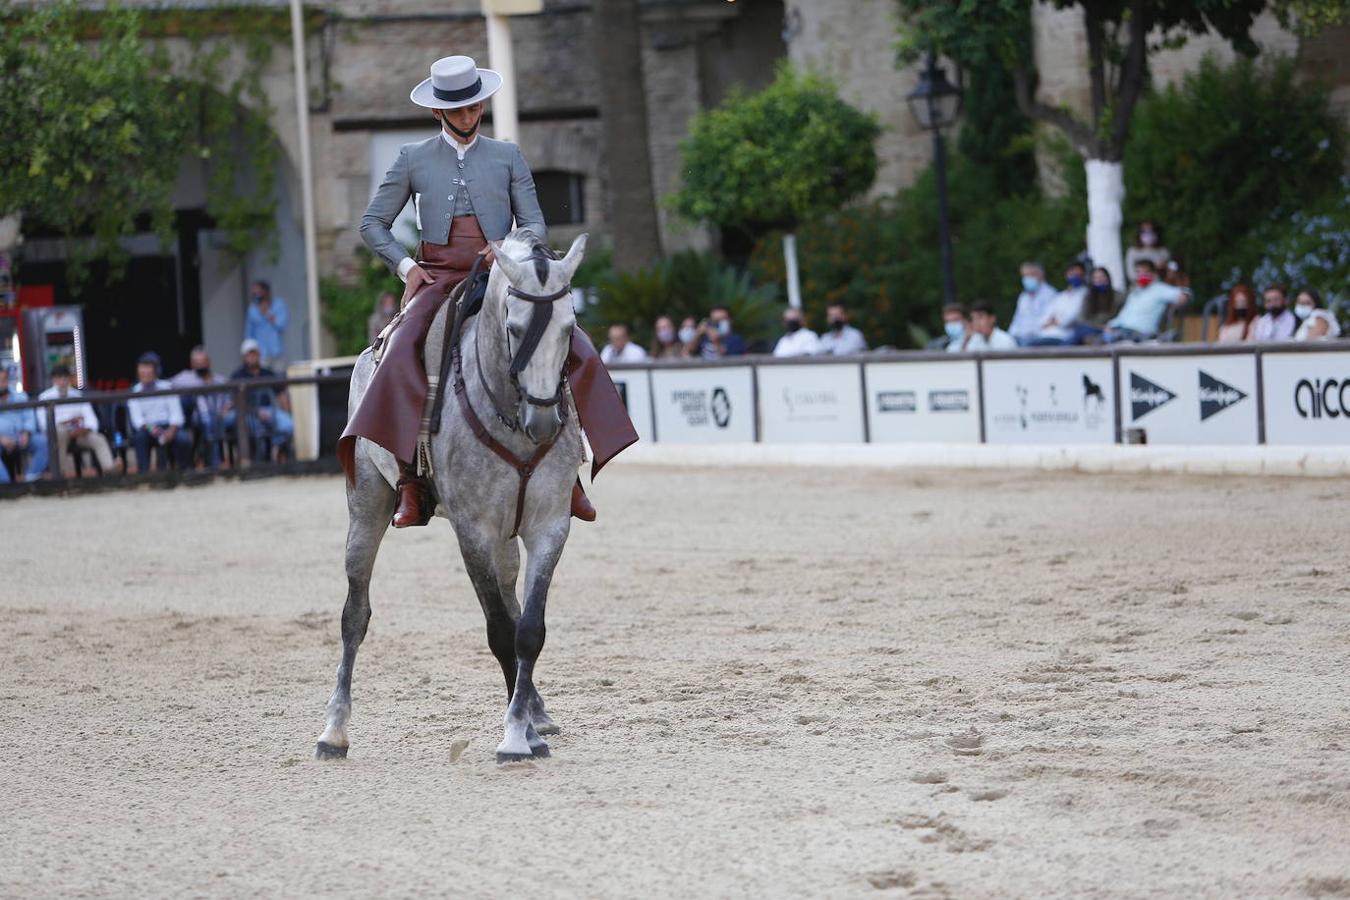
column 574, row 255
column 514, row 272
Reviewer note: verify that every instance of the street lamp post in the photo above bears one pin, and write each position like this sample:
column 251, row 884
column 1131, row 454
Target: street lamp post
column 936, row 102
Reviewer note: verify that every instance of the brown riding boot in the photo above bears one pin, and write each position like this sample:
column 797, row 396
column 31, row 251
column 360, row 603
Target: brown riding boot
column 581, row 506
column 415, row 503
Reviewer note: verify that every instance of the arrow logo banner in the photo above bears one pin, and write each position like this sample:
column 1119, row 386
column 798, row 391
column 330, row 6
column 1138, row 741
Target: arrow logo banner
column 1145, row 396
column 1216, row 396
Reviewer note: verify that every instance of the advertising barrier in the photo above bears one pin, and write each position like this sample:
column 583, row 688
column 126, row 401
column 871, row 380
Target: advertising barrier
column 1306, row 397
column 811, row 404
column 635, row 387
column 1194, row 399
column 707, row 404
column 1049, row 401
column 923, row 402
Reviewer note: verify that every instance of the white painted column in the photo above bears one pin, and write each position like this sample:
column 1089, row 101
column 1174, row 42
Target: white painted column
column 1106, row 193
column 794, row 285
column 313, row 324
column 505, row 118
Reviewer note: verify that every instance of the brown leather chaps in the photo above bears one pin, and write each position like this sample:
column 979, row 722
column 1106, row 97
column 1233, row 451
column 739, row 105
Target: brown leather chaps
column 390, row 412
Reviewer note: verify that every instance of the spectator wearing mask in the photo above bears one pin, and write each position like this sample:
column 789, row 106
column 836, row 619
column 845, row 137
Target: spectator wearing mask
column 157, row 421
column 76, row 423
column 985, row 333
column 19, row 435
column 207, row 411
column 1238, row 314
column 620, row 349
column 269, row 411
column 1142, row 315
column 1061, row 322
column 956, row 327
column 688, row 335
column 840, row 338
column 386, row 307
column 266, row 323
column 1277, row 323
column 1316, row 323
column 666, row 343
column 1032, row 304
column 715, row 338
column 797, row 340
column 1148, row 244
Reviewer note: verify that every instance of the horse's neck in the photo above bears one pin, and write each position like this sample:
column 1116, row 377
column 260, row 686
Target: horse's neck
column 490, row 372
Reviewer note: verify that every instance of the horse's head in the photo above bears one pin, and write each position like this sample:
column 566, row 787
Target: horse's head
column 533, row 288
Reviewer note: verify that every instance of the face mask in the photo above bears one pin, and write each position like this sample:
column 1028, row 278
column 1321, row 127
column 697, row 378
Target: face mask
column 1148, row 238
column 666, row 335
column 793, row 326
column 686, row 334
column 1145, row 280
column 1275, row 309
column 724, row 326
column 1076, row 281
column 1101, row 288
column 203, row 371
column 1303, row 311
column 1030, row 283
column 954, row 330
column 836, row 324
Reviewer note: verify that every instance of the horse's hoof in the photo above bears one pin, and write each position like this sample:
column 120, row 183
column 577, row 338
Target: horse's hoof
column 549, row 727
column 540, row 750
column 513, row 757
column 325, row 750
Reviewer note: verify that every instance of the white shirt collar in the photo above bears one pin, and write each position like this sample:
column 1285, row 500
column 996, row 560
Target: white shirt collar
column 460, row 149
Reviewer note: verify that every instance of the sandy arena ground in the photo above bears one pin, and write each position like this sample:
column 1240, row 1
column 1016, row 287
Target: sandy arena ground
column 772, row 682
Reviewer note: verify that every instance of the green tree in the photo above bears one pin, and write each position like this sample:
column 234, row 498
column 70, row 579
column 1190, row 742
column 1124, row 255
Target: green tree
column 1120, row 35
column 777, row 158
column 1228, row 150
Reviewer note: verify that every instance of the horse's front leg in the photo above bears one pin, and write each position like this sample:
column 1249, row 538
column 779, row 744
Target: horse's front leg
column 522, row 739
column 369, row 506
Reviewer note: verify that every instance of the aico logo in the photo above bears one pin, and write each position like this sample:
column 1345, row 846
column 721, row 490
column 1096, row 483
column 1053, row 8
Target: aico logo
column 1145, row 396
column 1322, row 397
column 1216, row 396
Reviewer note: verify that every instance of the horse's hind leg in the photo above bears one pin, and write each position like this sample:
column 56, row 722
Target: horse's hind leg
column 369, row 506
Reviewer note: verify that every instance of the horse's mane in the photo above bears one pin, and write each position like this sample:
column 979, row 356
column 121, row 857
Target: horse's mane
column 536, row 251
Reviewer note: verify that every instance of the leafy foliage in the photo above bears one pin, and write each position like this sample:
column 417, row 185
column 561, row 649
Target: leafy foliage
column 1228, row 151
column 95, row 117
column 685, row 284
column 777, row 158
column 882, row 260
column 1308, row 249
column 346, row 307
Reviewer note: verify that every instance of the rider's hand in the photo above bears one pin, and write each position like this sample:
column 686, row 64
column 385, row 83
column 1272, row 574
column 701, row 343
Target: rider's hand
column 417, row 279
column 488, row 254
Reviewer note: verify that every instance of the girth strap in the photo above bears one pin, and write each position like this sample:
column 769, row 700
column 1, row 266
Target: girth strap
column 524, row 467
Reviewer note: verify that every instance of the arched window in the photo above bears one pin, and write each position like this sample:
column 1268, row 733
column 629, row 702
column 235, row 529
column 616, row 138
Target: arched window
column 561, row 196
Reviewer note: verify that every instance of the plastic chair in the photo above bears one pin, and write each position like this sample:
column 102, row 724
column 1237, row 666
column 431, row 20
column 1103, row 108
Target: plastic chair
column 1214, row 309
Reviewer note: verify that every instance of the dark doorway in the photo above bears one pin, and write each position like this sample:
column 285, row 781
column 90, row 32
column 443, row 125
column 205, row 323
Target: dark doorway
column 154, row 305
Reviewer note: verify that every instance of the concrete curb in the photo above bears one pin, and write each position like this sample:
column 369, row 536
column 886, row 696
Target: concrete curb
column 1318, row 462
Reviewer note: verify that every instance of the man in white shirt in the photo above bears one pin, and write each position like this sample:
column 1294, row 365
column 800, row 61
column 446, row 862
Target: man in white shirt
column 620, row 349
column 1032, row 304
column 76, row 423
column 1277, row 323
column 985, row 333
column 1064, row 311
column 841, row 338
column 798, row 339
column 157, row 420
column 208, row 416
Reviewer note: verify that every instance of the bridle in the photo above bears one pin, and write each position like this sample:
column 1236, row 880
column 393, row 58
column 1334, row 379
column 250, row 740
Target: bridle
column 534, row 332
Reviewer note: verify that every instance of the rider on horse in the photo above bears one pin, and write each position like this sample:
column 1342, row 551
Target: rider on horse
column 485, row 184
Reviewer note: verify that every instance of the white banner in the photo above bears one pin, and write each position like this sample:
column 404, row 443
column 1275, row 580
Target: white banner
column 1049, row 401
column 1190, row 399
column 635, row 389
column 713, row 404
column 811, row 404
column 924, row 402
column 1307, row 397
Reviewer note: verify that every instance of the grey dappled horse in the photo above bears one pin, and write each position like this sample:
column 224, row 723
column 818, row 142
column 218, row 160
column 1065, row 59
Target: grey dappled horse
column 476, row 488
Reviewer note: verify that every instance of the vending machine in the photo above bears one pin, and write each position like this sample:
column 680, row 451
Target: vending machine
column 53, row 336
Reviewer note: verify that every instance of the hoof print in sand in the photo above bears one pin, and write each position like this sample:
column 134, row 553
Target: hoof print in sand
column 969, row 743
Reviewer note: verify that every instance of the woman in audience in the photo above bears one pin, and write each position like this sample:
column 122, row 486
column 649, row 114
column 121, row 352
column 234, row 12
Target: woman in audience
column 1099, row 306
column 1315, row 321
column 1148, row 244
column 666, row 344
column 1239, row 312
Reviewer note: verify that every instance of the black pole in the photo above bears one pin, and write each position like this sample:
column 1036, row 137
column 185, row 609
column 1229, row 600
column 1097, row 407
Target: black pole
column 944, row 229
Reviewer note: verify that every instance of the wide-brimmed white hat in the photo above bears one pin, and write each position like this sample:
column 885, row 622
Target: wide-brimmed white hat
column 455, row 81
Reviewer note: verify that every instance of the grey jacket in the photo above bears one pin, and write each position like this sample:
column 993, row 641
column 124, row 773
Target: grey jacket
column 499, row 183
